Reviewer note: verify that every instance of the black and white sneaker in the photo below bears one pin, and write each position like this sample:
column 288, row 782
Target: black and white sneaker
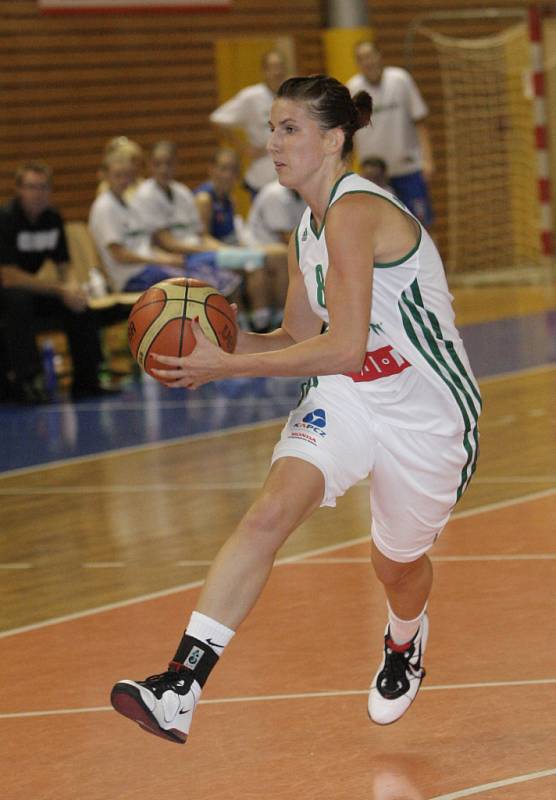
column 398, row 680
column 161, row 704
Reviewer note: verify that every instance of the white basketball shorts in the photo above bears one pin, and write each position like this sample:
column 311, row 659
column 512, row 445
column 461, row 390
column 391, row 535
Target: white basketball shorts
column 416, row 477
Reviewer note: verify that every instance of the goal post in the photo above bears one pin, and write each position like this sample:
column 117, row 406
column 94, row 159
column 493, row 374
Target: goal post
column 498, row 223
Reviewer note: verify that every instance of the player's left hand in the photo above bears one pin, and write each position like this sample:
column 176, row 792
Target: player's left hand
column 205, row 363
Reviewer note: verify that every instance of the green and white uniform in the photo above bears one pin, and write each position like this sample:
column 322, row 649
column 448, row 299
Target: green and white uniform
column 410, row 416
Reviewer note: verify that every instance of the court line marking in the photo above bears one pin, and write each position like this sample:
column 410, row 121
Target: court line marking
column 263, row 698
column 308, row 561
column 162, row 443
column 523, row 557
column 502, row 479
column 502, row 504
column 485, row 787
column 135, row 488
column 124, row 488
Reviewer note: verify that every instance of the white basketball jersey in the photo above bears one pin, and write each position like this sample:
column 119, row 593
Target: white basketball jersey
column 416, row 374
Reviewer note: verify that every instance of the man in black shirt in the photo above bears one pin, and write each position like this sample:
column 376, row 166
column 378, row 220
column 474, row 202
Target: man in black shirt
column 31, row 231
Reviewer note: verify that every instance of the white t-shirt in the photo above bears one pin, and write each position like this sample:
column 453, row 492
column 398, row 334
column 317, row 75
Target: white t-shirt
column 112, row 221
column 416, row 374
column 249, row 109
column 274, row 211
column 175, row 211
column 397, row 105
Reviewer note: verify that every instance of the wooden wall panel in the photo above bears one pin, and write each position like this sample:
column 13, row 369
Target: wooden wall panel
column 69, row 83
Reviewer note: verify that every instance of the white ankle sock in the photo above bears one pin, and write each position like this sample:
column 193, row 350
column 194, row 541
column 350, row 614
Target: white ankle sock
column 403, row 630
column 208, row 630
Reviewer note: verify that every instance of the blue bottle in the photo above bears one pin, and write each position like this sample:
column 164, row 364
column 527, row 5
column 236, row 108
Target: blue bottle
column 48, row 354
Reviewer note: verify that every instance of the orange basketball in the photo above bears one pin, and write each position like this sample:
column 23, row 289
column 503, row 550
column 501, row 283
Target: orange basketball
column 160, row 320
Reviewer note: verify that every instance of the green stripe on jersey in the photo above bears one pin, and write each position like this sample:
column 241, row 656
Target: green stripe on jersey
column 449, row 345
column 422, row 331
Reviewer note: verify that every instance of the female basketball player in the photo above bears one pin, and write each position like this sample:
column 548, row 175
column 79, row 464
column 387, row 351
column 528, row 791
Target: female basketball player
column 394, row 397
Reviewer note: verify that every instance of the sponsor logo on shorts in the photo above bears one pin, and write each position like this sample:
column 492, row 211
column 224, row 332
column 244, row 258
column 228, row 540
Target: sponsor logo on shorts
column 316, row 417
column 311, row 428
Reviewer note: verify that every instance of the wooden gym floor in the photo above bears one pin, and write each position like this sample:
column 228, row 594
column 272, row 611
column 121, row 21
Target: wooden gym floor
column 102, row 553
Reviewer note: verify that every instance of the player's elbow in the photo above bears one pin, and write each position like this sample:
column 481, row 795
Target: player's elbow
column 348, row 357
column 347, row 352
column 354, row 360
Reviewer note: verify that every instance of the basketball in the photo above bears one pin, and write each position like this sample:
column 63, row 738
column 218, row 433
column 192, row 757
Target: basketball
column 160, row 320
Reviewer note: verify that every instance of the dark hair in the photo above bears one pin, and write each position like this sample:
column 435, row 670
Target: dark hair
column 374, row 161
column 38, row 167
column 330, row 104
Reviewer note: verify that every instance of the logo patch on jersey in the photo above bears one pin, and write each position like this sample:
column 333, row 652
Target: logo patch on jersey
column 316, row 417
column 381, row 363
column 37, row 241
column 305, row 236
column 311, row 427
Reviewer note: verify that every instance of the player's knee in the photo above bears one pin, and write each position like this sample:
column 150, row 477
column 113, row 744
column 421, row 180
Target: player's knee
column 266, row 525
column 389, row 572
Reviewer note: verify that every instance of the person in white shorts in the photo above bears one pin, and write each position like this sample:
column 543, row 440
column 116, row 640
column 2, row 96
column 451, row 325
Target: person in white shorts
column 393, row 396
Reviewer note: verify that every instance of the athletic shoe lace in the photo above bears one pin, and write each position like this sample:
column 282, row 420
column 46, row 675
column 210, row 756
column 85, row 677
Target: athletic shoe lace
column 165, row 681
column 393, row 676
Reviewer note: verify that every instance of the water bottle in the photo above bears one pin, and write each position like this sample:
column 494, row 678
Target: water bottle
column 48, row 354
column 97, row 284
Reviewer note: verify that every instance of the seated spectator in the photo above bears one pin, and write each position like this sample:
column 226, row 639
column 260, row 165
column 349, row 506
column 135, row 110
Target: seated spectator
column 133, row 150
column 32, row 232
column 274, row 215
column 214, row 197
column 169, row 209
column 169, row 206
column 374, row 169
column 219, row 220
column 124, row 240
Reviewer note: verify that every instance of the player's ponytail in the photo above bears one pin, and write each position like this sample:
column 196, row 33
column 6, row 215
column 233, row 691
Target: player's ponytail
column 363, row 103
column 330, row 104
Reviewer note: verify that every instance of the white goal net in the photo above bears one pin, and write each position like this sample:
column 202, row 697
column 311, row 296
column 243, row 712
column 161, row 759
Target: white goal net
column 493, row 222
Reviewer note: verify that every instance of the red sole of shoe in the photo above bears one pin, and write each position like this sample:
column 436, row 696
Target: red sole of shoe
column 125, row 702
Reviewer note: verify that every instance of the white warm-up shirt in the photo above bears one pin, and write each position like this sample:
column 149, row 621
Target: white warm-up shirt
column 275, row 210
column 114, row 221
column 174, row 210
column 397, row 105
column 249, row 110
